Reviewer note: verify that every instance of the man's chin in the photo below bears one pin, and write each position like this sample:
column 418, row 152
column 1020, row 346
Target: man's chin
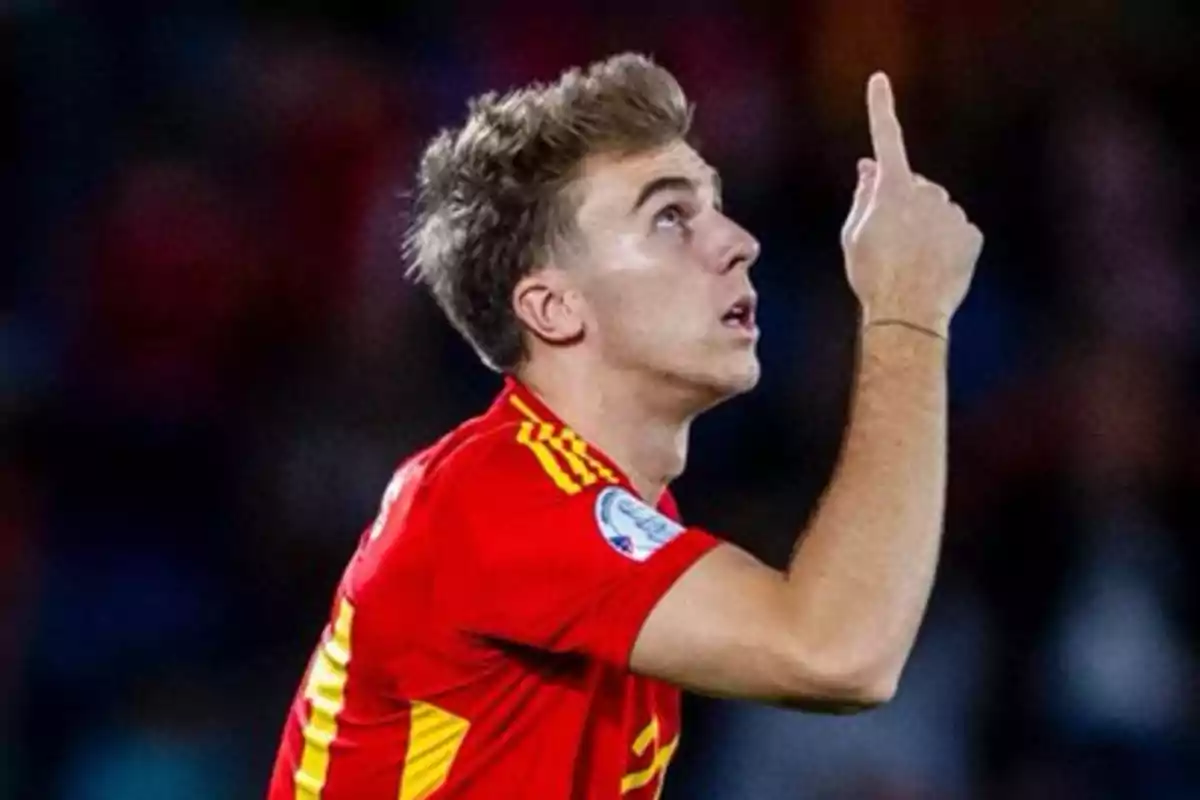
column 744, row 379
column 732, row 379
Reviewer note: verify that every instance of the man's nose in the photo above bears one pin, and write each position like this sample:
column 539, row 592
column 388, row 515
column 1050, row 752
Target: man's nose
column 739, row 248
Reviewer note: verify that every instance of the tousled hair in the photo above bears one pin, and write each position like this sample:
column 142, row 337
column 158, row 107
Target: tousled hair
column 491, row 196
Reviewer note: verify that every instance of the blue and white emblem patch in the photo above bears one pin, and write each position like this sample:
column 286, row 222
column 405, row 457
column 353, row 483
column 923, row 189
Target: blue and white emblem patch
column 632, row 527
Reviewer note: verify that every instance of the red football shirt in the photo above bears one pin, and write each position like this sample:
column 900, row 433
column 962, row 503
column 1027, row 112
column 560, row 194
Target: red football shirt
column 478, row 647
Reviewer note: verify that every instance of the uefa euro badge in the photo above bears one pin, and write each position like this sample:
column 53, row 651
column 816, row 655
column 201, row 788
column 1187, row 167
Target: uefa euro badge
column 632, row 527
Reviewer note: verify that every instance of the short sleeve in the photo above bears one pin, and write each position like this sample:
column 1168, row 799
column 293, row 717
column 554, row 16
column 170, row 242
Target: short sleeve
column 564, row 571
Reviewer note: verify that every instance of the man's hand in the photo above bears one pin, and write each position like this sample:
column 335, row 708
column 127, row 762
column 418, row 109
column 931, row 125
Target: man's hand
column 910, row 251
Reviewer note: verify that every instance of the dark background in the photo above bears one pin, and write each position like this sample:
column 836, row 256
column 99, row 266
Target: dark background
column 210, row 362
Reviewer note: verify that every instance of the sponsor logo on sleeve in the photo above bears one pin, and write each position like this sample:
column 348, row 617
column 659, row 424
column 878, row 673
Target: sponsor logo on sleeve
column 631, row 526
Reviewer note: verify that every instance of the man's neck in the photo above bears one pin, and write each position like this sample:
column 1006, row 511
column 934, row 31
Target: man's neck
column 648, row 444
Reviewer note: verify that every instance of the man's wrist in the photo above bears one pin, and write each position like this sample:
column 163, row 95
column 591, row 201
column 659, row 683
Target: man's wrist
column 905, row 324
column 926, row 323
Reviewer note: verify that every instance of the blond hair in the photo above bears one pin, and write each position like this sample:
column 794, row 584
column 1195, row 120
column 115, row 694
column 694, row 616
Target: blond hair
column 491, row 196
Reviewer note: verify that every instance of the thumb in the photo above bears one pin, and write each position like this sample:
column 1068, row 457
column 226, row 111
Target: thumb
column 867, row 173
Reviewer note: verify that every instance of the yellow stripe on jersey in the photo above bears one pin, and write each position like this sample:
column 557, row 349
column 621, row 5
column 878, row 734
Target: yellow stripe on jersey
column 567, row 444
column 434, row 737
column 579, row 447
column 525, row 435
column 523, row 407
column 577, row 465
column 326, row 694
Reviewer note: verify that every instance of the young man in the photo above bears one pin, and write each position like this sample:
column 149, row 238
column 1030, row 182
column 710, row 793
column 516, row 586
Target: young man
column 518, row 620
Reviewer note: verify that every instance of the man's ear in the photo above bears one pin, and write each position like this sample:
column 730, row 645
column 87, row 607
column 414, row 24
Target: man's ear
column 549, row 306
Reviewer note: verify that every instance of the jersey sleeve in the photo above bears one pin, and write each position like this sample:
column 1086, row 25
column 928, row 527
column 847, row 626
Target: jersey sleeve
column 562, row 566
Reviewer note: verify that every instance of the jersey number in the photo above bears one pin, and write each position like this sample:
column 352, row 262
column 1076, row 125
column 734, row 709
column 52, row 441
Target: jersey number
column 660, row 759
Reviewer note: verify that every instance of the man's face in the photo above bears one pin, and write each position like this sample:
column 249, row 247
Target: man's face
column 664, row 274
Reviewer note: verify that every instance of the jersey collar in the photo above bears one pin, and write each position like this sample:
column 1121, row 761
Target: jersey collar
column 518, row 402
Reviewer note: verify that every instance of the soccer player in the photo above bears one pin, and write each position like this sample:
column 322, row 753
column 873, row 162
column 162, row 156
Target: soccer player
column 518, row 620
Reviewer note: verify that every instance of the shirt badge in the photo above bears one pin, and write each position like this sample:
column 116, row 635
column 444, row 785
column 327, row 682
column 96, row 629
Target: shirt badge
column 632, row 527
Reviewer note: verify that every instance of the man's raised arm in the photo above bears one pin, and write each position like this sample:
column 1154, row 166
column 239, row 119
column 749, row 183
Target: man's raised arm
column 835, row 631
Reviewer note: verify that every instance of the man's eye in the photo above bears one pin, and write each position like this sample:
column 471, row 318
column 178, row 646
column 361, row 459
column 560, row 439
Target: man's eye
column 671, row 216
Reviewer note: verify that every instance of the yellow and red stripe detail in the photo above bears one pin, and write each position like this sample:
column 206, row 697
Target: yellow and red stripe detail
column 326, row 695
column 434, row 737
column 561, row 453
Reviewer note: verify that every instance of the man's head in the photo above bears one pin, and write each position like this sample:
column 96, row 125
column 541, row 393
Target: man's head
column 573, row 220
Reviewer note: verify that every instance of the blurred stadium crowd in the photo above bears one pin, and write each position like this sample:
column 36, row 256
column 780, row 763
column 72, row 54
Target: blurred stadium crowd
column 210, row 361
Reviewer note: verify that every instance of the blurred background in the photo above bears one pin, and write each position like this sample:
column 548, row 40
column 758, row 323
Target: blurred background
column 210, row 362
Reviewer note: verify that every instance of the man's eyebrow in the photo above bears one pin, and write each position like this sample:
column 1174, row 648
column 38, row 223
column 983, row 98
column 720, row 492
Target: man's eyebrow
column 664, row 183
column 667, row 183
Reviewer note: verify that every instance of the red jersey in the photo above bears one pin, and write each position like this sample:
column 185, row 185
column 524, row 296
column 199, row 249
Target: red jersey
column 478, row 647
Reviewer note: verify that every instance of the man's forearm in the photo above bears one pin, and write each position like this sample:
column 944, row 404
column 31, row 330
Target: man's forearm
column 862, row 573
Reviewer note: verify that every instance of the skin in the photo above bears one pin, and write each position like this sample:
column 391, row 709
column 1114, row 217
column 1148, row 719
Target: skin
column 626, row 323
column 627, row 343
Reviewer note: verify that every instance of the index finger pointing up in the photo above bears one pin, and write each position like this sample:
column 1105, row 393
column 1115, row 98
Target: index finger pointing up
column 886, row 136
